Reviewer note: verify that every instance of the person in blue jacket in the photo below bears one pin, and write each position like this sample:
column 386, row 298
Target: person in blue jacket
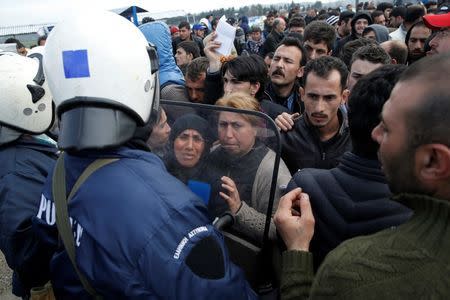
column 158, row 33
column 171, row 79
column 25, row 160
column 139, row 233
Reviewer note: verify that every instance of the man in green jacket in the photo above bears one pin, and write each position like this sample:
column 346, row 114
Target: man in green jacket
column 411, row 260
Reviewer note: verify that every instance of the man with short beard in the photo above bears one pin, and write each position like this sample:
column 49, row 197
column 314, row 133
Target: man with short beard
column 319, row 39
column 320, row 136
column 397, row 16
column 360, row 203
column 415, row 40
column 344, row 24
column 406, row 262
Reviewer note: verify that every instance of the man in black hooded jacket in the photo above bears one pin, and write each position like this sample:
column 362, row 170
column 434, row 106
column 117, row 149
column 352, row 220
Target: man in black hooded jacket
column 360, row 21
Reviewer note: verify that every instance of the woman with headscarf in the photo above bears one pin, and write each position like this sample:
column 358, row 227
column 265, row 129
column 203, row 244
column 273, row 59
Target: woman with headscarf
column 189, row 143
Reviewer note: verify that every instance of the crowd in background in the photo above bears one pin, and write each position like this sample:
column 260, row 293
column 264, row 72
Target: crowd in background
column 359, row 99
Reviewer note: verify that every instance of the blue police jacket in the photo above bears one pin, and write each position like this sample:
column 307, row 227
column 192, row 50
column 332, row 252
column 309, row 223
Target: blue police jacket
column 24, row 165
column 139, row 234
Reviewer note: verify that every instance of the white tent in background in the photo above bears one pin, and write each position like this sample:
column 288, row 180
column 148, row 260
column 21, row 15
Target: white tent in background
column 129, row 11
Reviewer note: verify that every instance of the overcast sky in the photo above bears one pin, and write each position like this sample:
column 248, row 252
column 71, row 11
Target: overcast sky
column 20, row 12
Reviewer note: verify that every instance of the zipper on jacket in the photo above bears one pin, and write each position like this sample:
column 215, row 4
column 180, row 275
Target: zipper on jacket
column 323, row 155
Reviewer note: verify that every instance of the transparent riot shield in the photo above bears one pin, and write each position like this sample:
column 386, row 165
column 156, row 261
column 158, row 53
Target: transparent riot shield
column 230, row 158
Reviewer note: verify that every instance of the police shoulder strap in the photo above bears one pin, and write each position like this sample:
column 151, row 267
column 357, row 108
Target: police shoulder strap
column 62, row 214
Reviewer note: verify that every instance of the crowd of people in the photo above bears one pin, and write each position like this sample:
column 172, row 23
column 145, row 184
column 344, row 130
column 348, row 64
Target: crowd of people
column 105, row 191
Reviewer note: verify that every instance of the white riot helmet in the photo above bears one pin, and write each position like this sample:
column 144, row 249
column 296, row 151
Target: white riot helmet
column 101, row 92
column 26, row 103
column 38, row 53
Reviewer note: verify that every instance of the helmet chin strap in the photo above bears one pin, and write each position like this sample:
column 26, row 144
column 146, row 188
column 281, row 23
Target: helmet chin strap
column 8, row 135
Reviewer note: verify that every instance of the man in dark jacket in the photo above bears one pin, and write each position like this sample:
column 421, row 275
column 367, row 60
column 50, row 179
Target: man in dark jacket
column 354, row 198
column 344, row 24
column 25, row 160
column 320, row 137
column 274, row 37
column 360, row 21
column 268, row 24
column 186, row 35
column 285, row 71
column 404, row 262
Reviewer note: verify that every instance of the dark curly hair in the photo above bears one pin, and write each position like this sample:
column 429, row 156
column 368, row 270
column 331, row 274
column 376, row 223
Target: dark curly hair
column 323, row 66
column 365, row 104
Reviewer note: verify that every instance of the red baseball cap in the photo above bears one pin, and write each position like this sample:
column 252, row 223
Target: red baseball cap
column 435, row 22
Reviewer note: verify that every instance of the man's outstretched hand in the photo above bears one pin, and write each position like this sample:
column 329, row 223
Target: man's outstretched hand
column 294, row 220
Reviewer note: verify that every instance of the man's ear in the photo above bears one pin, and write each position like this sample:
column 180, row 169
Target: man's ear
column 302, row 93
column 345, row 95
column 432, row 162
column 300, row 72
